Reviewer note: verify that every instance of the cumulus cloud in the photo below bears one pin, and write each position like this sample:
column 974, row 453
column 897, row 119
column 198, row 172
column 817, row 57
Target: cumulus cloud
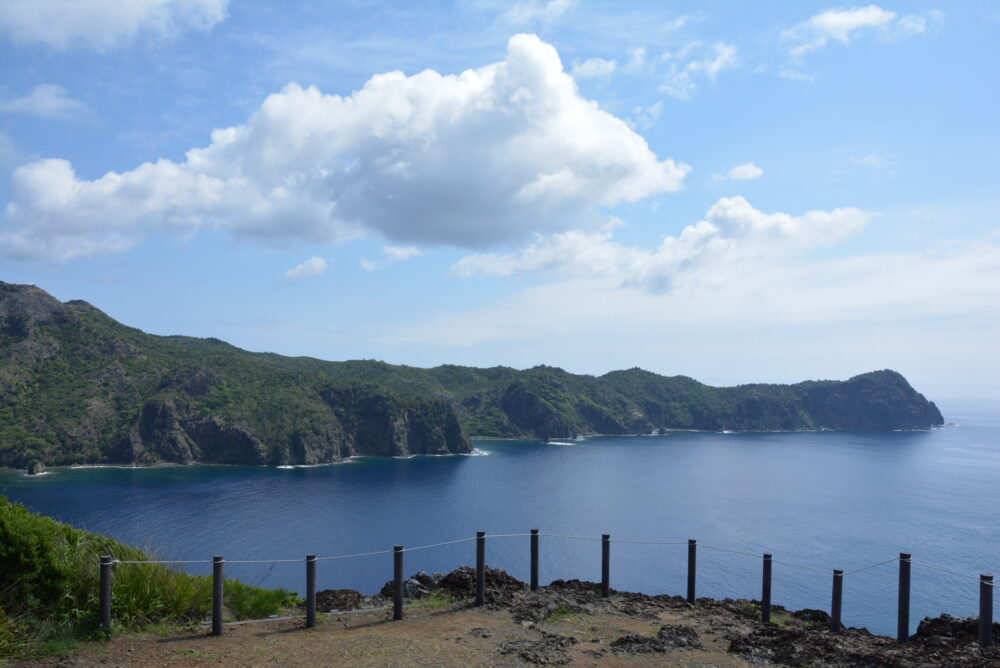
column 488, row 155
column 732, row 234
column 843, row 25
column 314, row 266
column 102, row 25
column 745, row 172
column 594, row 67
column 682, row 78
column 47, row 101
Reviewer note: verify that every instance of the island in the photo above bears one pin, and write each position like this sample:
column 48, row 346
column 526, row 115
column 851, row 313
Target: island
column 78, row 387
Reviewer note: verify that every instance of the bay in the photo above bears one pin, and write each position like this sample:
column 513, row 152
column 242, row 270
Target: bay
column 823, row 500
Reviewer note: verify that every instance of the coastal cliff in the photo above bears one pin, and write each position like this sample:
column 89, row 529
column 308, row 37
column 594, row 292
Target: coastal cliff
column 78, row 387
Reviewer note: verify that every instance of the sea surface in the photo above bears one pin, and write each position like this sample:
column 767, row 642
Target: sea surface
column 823, row 500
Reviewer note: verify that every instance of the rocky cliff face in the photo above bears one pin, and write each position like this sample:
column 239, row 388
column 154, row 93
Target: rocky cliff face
column 78, row 387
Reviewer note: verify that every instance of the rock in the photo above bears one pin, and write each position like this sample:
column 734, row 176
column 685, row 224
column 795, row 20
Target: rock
column 679, row 635
column 36, row 467
column 328, row 600
column 550, row 650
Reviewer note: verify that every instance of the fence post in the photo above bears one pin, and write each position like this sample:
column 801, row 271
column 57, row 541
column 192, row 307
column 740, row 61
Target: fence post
column 838, row 597
column 534, row 560
column 310, row 591
column 903, row 618
column 480, row 567
column 107, row 563
column 692, row 565
column 985, row 610
column 605, row 565
column 397, row 580
column 218, row 590
column 765, row 594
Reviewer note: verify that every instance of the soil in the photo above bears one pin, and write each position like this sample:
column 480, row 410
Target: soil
column 567, row 623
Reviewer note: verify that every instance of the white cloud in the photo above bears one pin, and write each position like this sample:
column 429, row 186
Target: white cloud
column 745, row 172
column 47, row 101
column 489, row 155
column 843, row 25
column 314, row 266
column 636, row 58
column 104, row 24
column 682, row 80
column 594, row 67
column 833, row 317
column 531, row 10
column 392, row 254
column 402, row 252
column 732, row 234
column 646, row 116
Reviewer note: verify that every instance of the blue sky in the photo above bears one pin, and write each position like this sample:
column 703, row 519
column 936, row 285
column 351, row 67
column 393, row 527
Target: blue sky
column 733, row 191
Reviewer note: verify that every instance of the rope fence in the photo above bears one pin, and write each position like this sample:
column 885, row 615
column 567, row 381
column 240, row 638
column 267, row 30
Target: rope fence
column 986, row 584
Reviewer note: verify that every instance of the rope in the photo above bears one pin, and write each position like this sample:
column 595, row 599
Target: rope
column 650, row 542
column 349, row 556
column 449, row 542
column 265, row 561
column 803, row 566
column 722, row 549
column 556, row 535
column 202, row 561
column 865, row 568
column 506, row 535
column 944, row 570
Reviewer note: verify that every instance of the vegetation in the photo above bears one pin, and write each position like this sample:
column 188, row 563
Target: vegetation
column 49, row 580
column 78, row 387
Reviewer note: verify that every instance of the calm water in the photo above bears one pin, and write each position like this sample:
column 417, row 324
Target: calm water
column 828, row 500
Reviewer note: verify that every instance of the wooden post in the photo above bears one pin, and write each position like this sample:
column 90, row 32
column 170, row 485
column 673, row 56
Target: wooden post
column 310, row 591
column 534, row 560
column 480, row 567
column 903, row 610
column 985, row 610
column 765, row 594
column 838, row 597
column 606, row 565
column 692, row 567
column 107, row 563
column 218, row 590
column 397, row 579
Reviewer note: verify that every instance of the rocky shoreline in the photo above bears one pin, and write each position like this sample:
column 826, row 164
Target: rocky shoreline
column 794, row 638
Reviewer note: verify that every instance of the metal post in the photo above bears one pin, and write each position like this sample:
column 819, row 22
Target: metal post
column 692, row 565
column 765, row 594
column 605, row 565
column 985, row 610
column 534, row 560
column 397, row 579
column 107, row 563
column 310, row 591
column 903, row 618
column 218, row 589
column 480, row 567
column 838, row 597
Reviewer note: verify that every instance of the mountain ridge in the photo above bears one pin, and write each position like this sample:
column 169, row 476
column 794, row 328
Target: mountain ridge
column 78, row 387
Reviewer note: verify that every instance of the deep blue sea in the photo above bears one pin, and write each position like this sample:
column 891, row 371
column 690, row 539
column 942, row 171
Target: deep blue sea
column 826, row 500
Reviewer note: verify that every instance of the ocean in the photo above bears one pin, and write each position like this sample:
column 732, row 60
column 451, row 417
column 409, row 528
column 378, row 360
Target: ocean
column 815, row 500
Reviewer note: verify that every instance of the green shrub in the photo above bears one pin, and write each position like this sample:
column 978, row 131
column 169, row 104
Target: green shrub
column 50, row 576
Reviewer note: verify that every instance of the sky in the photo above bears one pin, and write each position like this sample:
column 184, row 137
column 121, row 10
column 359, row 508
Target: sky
column 737, row 192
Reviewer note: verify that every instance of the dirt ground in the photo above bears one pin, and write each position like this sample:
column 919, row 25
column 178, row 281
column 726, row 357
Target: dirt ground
column 453, row 636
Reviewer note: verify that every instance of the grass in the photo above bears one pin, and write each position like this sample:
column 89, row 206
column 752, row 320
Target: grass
column 49, row 580
column 433, row 601
column 561, row 612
